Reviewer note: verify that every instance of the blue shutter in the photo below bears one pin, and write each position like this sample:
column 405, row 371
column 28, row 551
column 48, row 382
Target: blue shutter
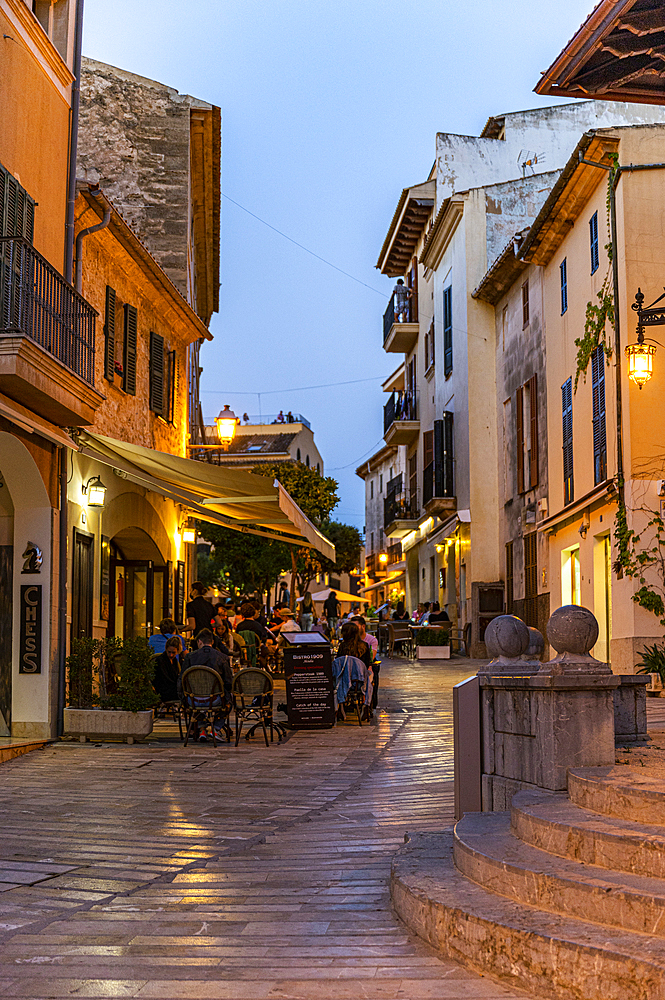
column 563, row 268
column 599, row 428
column 567, row 428
column 593, row 237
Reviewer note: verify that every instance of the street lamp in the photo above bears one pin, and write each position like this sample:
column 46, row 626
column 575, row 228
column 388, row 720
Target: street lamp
column 226, row 427
column 383, row 558
column 640, row 355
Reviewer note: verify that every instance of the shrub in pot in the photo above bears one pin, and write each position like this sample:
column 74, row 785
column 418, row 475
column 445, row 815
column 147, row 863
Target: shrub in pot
column 433, row 643
column 110, row 690
column 652, row 662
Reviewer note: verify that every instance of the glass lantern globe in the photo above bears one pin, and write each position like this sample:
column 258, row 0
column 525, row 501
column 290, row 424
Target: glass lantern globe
column 226, row 426
column 640, row 362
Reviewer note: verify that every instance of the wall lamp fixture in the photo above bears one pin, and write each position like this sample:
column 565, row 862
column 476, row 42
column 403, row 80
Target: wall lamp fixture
column 640, row 354
column 95, row 491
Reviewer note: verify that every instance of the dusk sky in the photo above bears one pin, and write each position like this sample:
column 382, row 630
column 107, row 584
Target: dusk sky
column 329, row 109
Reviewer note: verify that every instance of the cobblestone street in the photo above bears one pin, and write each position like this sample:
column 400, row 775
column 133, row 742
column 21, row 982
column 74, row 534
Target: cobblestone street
column 160, row 871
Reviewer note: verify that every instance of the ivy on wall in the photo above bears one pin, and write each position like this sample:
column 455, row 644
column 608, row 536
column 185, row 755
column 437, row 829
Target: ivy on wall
column 636, row 556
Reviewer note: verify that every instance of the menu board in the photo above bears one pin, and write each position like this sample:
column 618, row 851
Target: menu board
column 309, row 686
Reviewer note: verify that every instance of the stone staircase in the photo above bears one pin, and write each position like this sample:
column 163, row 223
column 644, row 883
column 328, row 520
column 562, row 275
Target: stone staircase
column 563, row 896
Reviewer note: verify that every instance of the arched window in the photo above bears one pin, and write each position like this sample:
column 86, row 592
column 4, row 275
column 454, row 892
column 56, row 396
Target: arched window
column 307, row 461
column 318, row 468
column 298, row 455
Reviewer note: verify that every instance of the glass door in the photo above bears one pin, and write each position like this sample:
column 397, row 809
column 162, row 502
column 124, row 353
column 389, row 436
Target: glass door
column 132, row 604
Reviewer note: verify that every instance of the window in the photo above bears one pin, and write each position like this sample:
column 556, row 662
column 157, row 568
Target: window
column 429, row 347
column 444, row 444
column 448, row 330
column 567, row 430
column 509, row 578
column 507, row 465
column 156, row 373
column 17, row 209
column 129, row 351
column 318, row 468
column 53, row 15
column 530, row 580
column 307, row 461
column 171, row 387
column 570, row 576
column 413, row 485
column 298, row 455
column 504, row 324
column 371, row 541
column 109, row 334
column 599, row 431
column 371, row 489
column 428, row 466
column 381, row 483
column 525, row 304
column 593, row 239
column 563, row 271
column 526, row 430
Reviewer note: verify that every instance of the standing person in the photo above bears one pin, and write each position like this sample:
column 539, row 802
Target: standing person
column 306, row 613
column 199, row 612
column 280, row 417
column 402, row 295
column 333, row 609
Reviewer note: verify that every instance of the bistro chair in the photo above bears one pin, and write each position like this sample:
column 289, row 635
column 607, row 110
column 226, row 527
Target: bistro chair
column 203, row 698
column 252, row 693
column 353, row 686
column 252, row 644
column 399, row 632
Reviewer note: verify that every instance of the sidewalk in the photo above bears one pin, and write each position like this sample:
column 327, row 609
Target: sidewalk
column 164, row 872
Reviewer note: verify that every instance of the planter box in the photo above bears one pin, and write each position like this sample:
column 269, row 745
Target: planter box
column 433, row 652
column 100, row 724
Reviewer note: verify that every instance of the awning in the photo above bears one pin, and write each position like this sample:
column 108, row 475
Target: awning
column 343, row 598
column 33, row 423
column 386, row 582
column 234, row 498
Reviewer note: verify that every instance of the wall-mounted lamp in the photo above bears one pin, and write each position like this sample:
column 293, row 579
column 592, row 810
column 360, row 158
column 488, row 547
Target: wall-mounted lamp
column 188, row 534
column 585, row 525
column 226, row 427
column 383, row 558
column 640, row 355
column 95, row 491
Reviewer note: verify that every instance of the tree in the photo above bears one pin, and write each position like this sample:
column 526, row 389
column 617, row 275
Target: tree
column 252, row 563
column 316, row 495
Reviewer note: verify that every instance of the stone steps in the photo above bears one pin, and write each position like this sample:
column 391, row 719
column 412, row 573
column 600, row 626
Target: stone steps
column 620, row 792
column 487, row 852
column 550, row 822
column 547, row 953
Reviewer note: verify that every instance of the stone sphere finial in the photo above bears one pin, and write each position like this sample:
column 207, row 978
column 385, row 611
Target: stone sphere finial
column 572, row 629
column 536, row 644
column 506, row 636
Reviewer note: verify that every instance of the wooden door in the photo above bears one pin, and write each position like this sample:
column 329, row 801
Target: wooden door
column 82, row 584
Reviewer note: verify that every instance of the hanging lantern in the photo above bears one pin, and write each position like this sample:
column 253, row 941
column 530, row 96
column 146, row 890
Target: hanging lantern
column 640, row 361
column 189, row 535
column 95, row 491
column 226, row 426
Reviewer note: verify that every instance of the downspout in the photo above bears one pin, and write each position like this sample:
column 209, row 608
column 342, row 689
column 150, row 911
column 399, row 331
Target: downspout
column 73, row 142
column 62, row 592
column 86, row 232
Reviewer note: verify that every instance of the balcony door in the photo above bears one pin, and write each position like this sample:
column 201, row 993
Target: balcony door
column 82, row 584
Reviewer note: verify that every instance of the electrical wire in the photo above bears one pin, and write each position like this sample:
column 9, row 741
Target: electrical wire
column 306, row 249
column 302, row 388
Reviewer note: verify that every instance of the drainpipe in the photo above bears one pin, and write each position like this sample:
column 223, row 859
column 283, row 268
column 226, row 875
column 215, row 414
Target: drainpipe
column 73, row 142
column 86, row 232
column 629, row 168
column 62, row 591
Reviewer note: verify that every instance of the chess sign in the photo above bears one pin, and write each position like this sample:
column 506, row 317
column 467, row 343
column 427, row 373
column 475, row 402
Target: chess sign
column 30, row 630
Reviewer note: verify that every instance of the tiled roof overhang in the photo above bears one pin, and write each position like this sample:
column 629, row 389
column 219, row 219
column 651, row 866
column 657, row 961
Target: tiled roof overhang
column 617, row 55
column 502, row 274
column 413, row 210
column 568, row 196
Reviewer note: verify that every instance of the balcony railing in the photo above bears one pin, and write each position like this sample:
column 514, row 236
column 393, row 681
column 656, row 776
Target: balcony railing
column 390, row 316
column 400, row 406
column 37, row 302
column 394, row 553
column 370, row 564
column 400, row 507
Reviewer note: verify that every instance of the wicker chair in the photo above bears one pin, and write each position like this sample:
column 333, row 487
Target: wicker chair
column 399, row 633
column 203, row 696
column 252, row 700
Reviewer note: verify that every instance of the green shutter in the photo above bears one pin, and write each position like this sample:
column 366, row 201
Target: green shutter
column 131, row 333
column 17, row 208
column 109, row 334
column 156, row 373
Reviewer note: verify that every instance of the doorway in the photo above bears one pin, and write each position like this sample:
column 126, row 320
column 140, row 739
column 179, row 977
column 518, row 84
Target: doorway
column 82, row 584
column 139, row 597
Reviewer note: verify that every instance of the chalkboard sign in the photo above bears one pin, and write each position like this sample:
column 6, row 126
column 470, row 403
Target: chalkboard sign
column 310, row 699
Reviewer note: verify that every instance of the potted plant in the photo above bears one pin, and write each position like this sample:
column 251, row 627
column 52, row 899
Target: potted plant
column 433, row 644
column 110, row 692
column 652, row 662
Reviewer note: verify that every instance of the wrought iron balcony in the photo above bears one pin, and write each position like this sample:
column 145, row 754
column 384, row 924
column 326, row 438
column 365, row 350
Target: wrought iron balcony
column 37, row 302
column 47, row 338
column 438, row 496
column 394, row 553
column 400, row 330
column 400, row 418
column 400, row 507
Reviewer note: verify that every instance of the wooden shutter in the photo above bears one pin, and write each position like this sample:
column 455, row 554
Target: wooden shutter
column 447, row 330
column 519, row 434
column 171, row 386
column 509, row 578
column 428, row 466
column 525, row 304
column 17, row 208
column 439, row 476
column 156, row 373
column 567, row 434
column 109, row 334
column 428, row 448
column 131, row 335
column 448, row 454
column 412, row 282
column 599, row 428
column 533, row 400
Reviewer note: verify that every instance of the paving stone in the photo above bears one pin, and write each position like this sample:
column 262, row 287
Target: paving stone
column 169, row 873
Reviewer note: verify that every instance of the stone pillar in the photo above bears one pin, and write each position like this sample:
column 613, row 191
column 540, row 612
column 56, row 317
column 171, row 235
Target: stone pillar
column 535, row 727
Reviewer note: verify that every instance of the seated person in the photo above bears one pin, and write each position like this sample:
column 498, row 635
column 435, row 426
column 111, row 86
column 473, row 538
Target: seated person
column 223, row 636
column 167, row 629
column 353, row 645
column 167, row 670
column 207, row 656
column 221, row 615
column 320, row 625
column 437, row 616
column 400, row 614
column 289, row 623
column 424, row 618
column 373, row 644
column 248, row 623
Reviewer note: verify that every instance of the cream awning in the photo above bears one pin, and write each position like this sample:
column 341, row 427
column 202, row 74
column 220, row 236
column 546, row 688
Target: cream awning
column 386, row 582
column 234, row 498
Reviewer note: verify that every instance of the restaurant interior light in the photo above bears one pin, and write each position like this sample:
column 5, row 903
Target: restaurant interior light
column 226, row 426
column 95, row 491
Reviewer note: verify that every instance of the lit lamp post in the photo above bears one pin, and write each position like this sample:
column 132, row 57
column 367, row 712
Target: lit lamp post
column 226, row 427
column 640, row 355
